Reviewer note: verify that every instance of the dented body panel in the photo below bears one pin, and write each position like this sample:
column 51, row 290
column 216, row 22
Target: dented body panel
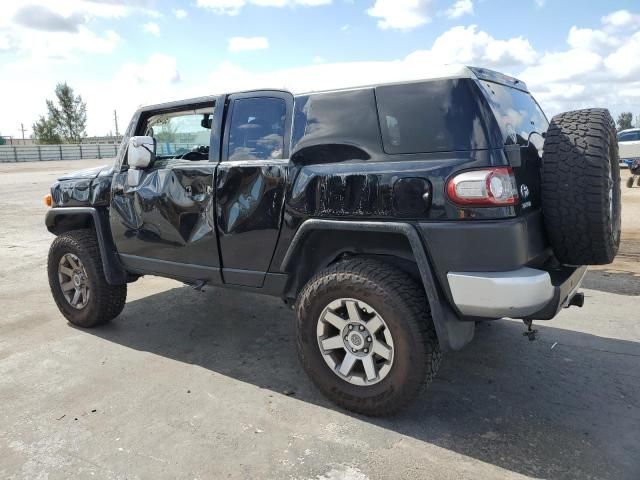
column 342, row 176
column 169, row 215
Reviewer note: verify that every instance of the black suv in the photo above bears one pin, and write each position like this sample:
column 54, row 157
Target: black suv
column 392, row 217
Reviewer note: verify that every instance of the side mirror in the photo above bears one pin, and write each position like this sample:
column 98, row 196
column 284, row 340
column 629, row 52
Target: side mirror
column 142, row 152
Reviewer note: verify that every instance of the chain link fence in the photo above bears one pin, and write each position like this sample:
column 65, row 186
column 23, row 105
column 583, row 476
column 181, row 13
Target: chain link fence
column 36, row 153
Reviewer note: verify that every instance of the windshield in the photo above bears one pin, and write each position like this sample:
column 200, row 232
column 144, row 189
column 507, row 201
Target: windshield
column 517, row 113
column 178, row 134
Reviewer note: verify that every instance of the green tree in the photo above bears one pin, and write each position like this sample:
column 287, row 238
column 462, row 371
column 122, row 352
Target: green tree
column 66, row 118
column 625, row 120
column 2, row 140
column 45, row 131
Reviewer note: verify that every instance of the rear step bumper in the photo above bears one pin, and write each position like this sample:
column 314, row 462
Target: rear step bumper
column 522, row 293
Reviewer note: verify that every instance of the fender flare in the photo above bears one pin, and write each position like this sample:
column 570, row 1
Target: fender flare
column 114, row 272
column 453, row 333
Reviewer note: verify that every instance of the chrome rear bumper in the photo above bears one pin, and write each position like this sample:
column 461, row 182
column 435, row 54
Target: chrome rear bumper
column 517, row 293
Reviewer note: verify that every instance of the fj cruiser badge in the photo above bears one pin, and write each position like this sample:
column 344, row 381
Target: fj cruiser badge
column 524, row 191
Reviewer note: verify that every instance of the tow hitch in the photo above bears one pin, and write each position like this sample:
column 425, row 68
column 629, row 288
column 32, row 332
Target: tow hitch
column 577, row 300
column 531, row 333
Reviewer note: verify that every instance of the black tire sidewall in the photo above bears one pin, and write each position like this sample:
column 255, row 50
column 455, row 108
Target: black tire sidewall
column 86, row 316
column 408, row 370
column 580, row 159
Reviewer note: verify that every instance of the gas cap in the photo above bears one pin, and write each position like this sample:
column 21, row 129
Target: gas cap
column 411, row 196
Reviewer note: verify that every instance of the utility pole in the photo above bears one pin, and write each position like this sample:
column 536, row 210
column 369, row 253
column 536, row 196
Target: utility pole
column 23, row 130
column 115, row 119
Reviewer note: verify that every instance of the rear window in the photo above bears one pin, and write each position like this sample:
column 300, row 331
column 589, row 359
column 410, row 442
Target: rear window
column 434, row 116
column 517, row 113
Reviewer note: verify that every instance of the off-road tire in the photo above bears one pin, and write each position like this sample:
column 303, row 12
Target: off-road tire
column 403, row 305
column 630, row 182
column 580, row 170
column 105, row 301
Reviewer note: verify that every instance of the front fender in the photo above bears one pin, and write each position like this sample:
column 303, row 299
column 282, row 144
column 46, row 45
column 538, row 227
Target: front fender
column 60, row 220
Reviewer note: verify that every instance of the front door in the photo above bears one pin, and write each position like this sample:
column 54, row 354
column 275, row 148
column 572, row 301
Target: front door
column 162, row 217
column 250, row 183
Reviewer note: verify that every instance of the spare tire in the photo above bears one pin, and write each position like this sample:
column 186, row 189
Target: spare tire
column 581, row 187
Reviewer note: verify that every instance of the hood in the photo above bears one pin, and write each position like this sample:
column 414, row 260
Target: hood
column 88, row 173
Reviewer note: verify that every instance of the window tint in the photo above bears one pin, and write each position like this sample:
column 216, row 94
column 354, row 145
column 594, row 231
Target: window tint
column 257, row 129
column 434, row 116
column 517, row 114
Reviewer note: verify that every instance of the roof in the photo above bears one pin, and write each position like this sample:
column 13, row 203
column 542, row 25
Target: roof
column 402, row 77
column 635, row 129
column 209, row 99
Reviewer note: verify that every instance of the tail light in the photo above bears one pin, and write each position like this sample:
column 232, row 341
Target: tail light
column 484, row 188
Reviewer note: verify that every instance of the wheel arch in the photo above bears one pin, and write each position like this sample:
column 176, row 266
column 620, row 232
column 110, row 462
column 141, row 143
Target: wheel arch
column 318, row 243
column 61, row 220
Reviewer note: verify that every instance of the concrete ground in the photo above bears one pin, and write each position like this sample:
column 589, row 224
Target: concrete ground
column 194, row 385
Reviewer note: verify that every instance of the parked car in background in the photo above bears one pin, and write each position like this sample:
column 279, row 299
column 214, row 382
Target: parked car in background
column 629, row 145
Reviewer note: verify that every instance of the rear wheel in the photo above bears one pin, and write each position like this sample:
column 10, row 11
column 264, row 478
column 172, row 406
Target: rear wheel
column 581, row 187
column 77, row 280
column 365, row 336
column 630, row 182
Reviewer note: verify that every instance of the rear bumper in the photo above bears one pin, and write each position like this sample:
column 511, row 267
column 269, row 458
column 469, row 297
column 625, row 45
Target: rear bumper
column 521, row 293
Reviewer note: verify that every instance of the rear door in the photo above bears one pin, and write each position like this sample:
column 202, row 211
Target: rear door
column 250, row 183
column 523, row 124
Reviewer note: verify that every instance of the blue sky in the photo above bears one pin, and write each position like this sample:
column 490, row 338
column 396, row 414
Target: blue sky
column 121, row 54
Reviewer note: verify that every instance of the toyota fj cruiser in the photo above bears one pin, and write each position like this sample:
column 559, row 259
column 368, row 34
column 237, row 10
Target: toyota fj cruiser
column 393, row 217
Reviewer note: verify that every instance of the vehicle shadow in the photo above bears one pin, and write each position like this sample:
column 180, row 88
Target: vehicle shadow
column 571, row 411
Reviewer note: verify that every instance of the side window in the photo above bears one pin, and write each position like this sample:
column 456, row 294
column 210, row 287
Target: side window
column 256, row 131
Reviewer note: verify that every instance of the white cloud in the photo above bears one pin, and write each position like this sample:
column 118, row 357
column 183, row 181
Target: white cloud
column 621, row 19
column 36, row 31
column 460, row 8
column 39, row 46
column 159, row 69
column 562, row 66
column 401, row 14
column 588, row 39
column 240, row 44
column 467, row 45
column 624, row 63
column 459, row 45
column 233, row 7
column 152, row 28
column 180, row 13
column 597, row 66
column 540, row 3
column 319, row 59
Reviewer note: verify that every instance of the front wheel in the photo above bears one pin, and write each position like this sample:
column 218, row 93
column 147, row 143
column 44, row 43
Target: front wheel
column 77, row 281
column 630, row 182
column 365, row 336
